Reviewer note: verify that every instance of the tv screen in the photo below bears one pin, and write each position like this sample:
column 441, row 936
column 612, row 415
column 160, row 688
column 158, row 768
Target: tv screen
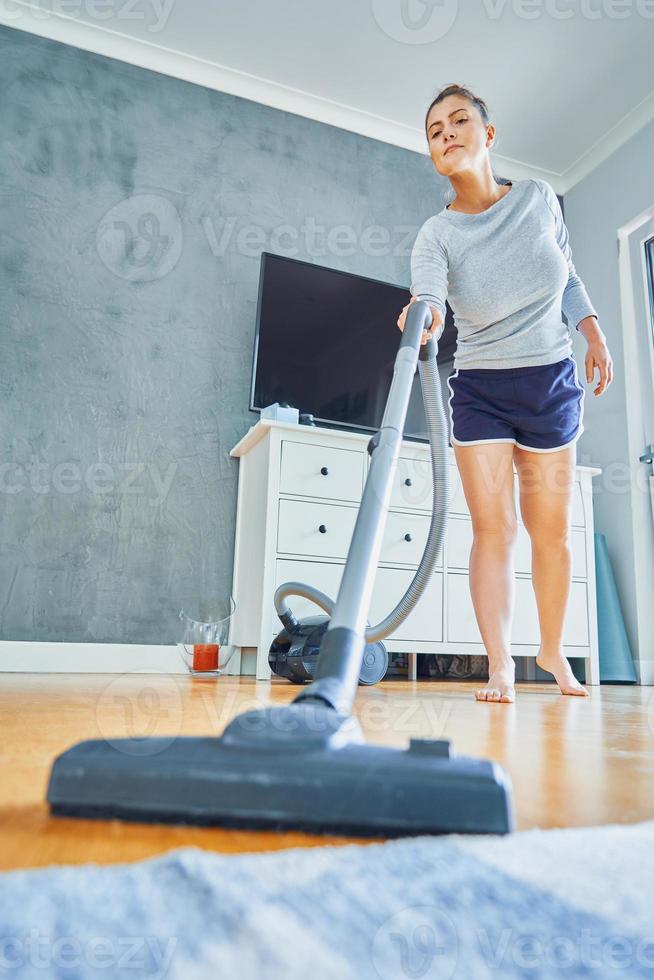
column 326, row 342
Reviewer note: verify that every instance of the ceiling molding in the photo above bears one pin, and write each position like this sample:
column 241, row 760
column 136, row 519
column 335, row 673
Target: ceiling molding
column 609, row 142
column 104, row 41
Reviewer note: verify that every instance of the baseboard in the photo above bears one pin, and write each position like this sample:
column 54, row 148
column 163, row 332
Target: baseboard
column 89, row 658
column 27, row 657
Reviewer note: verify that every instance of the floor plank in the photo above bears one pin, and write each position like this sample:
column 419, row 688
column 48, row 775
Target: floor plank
column 573, row 761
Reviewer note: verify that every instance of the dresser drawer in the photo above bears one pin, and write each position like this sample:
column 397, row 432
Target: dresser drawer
column 324, row 576
column 424, row 623
column 299, row 528
column 462, row 622
column 412, row 484
column 321, row 471
column 396, row 550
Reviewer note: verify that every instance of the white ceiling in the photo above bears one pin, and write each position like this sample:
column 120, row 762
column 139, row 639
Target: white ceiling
column 567, row 82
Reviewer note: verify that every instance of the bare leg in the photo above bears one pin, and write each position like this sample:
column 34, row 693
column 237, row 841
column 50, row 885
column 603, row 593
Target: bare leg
column 546, row 488
column 488, row 482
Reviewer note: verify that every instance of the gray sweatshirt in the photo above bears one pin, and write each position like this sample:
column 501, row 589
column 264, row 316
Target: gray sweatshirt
column 507, row 273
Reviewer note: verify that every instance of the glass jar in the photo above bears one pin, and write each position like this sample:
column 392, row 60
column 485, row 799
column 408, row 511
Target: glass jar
column 204, row 645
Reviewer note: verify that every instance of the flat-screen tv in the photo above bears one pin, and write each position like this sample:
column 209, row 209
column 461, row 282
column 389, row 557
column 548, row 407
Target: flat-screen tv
column 326, row 342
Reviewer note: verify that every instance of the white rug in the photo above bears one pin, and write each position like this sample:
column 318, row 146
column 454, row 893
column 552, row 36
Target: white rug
column 538, row 904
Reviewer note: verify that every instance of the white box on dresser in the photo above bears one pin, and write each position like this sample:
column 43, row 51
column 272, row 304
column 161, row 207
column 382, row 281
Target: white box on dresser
column 298, row 492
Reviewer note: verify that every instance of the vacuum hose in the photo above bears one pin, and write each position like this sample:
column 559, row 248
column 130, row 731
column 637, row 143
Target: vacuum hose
column 438, row 442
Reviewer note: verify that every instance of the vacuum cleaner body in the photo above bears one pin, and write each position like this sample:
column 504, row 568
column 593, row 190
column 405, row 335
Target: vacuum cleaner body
column 294, row 653
column 301, row 766
column 306, row 764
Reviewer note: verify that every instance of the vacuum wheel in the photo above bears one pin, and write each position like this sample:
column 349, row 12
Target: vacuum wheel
column 375, row 663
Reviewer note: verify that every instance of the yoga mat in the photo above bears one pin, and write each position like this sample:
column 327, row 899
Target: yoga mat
column 615, row 659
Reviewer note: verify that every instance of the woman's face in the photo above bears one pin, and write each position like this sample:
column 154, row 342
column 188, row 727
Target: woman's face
column 455, row 122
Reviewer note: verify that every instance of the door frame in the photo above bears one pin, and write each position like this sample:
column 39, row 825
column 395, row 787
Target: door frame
column 640, row 429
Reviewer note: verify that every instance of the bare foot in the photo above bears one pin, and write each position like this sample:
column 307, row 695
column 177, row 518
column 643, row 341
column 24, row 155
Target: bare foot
column 501, row 677
column 558, row 665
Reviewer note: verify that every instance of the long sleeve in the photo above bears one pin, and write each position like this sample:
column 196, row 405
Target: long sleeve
column 575, row 302
column 429, row 267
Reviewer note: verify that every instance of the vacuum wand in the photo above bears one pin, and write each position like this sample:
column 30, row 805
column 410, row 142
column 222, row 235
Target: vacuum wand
column 341, row 651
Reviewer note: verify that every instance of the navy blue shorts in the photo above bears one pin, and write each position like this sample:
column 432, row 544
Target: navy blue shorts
column 539, row 407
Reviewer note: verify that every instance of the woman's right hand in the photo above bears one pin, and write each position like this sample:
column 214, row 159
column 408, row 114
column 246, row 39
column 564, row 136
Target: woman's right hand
column 436, row 324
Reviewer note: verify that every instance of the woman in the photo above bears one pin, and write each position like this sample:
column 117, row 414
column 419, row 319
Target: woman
column 499, row 252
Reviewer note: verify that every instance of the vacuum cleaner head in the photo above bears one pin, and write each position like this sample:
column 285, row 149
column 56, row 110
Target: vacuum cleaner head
column 294, row 653
column 301, row 766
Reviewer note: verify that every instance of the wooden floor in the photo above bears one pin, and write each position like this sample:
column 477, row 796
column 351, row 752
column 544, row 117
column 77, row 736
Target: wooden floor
column 573, row 761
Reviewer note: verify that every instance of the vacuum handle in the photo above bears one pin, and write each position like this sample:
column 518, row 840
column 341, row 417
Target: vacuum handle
column 343, row 644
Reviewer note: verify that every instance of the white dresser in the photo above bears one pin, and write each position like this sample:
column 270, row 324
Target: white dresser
column 298, row 492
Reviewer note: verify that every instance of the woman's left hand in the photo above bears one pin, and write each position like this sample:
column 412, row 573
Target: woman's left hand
column 598, row 356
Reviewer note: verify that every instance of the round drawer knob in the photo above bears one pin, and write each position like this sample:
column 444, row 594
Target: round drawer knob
column 408, row 482
column 324, row 470
column 407, row 537
column 322, row 529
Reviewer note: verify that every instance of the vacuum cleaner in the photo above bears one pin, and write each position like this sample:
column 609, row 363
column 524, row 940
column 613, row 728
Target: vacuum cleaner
column 295, row 651
column 306, row 765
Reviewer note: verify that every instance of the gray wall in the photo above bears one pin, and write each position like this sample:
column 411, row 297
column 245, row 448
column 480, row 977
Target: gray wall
column 615, row 192
column 127, row 309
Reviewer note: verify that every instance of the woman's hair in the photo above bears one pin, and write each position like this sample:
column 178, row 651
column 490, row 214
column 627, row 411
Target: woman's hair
column 483, row 110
